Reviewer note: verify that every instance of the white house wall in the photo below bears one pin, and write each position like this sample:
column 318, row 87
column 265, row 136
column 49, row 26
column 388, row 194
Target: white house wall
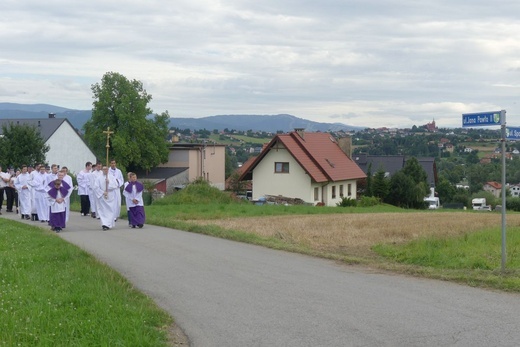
column 327, row 189
column 68, row 149
column 295, row 184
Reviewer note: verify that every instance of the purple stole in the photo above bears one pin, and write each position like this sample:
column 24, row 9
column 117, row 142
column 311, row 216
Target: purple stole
column 138, row 187
column 64, row 189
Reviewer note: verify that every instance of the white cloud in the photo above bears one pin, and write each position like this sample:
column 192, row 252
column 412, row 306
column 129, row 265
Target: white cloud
column 379, row 63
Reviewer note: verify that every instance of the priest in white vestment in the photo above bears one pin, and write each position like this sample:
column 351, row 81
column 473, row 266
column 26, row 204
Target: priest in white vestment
column 106, row 188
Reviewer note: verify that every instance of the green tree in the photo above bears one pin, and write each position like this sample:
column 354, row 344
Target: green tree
column 401, row 191
column 235, row 184
column 139, row 140
column 231, row 164
column 21, row 144
column 369, row 187
column 380, row 185
column 446, row 190
column 409, row 186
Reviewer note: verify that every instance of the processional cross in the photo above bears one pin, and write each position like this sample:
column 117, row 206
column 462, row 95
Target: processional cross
column 108, row 132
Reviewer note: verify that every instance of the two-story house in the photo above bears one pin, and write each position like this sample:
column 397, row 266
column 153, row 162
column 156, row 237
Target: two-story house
column 305, row 165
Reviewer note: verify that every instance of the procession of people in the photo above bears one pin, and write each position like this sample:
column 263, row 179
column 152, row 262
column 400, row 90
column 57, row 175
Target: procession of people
column 42, row 193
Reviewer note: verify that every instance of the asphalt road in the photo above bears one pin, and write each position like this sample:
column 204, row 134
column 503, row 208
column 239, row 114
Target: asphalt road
column 225, row 293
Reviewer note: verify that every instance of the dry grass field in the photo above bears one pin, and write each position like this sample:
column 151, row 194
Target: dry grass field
column 355, row 234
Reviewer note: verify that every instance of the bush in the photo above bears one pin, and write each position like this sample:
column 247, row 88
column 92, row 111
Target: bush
column 347, row 202
column 513, row 204
column 197, row 192
column 367, row 201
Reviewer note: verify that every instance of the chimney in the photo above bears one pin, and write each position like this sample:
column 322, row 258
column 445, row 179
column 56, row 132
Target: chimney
column 52, row 115
column 345, row 143
column 300, row 132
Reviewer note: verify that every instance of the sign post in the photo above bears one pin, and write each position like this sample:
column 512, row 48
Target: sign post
column 488, row 119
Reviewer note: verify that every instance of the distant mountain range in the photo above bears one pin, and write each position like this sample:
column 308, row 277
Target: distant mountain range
column 268, row 123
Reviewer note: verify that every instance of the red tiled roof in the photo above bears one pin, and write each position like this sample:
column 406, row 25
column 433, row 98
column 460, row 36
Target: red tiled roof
column 318, row 154
column 494, row 184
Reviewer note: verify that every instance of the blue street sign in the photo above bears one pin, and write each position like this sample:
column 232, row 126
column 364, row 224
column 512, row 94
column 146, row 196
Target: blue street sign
column 512, row 133
column 481, row 119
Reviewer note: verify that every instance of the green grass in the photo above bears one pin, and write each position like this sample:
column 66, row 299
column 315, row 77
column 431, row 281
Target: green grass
column 479, row 250
column 54, row 294
column 247, row 209
column 474, row 258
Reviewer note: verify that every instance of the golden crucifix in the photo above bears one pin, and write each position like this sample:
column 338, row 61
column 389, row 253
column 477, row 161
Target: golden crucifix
column 108, row 132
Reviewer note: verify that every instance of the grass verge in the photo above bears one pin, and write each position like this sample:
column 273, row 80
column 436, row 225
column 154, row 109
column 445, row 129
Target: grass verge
column 54, row 294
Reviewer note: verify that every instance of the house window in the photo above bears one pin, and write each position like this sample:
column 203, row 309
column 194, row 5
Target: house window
column 281, row 167
column 316, row 194
column 333, row 192
column 341, row 190
column 349, row 189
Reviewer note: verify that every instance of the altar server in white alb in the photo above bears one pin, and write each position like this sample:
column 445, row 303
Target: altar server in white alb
column 133, row 193
column 57, row 195
column 32, row 170
column 94, row 174
column 66, row 178
column 39, row 185
column 83, row 179
column 106, row 189
column 21, row 183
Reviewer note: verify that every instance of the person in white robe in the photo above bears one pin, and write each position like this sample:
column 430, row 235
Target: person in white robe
column 127, row 200
column 33, row 170
column 53, row 175
column 66, row 178
column 83, row 183
column 38, row 183
column 106, row 189
column 94, row 174
column 133, row 193
column 118, row 176
column 23, row 188
column 57, row 195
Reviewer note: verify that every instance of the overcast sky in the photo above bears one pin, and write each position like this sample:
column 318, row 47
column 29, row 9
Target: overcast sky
column 393, row 63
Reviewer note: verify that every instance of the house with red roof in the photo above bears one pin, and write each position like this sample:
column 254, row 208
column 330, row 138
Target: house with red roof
column 494, row 188
column 310, row 166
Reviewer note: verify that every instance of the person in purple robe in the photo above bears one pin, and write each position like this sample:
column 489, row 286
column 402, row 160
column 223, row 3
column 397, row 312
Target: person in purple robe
column 133, row 193
column 57, row 193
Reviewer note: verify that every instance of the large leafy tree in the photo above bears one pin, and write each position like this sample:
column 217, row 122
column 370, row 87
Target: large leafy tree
column 139, row 139
column 21, row 144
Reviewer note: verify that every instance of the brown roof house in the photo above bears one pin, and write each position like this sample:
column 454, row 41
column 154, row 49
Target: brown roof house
column 494, row 188
column 309, row 166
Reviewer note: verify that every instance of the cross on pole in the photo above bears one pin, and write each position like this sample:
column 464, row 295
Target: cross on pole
column 108, row 132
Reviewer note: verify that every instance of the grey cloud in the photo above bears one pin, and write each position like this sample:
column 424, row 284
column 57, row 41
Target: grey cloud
column 361, row 61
